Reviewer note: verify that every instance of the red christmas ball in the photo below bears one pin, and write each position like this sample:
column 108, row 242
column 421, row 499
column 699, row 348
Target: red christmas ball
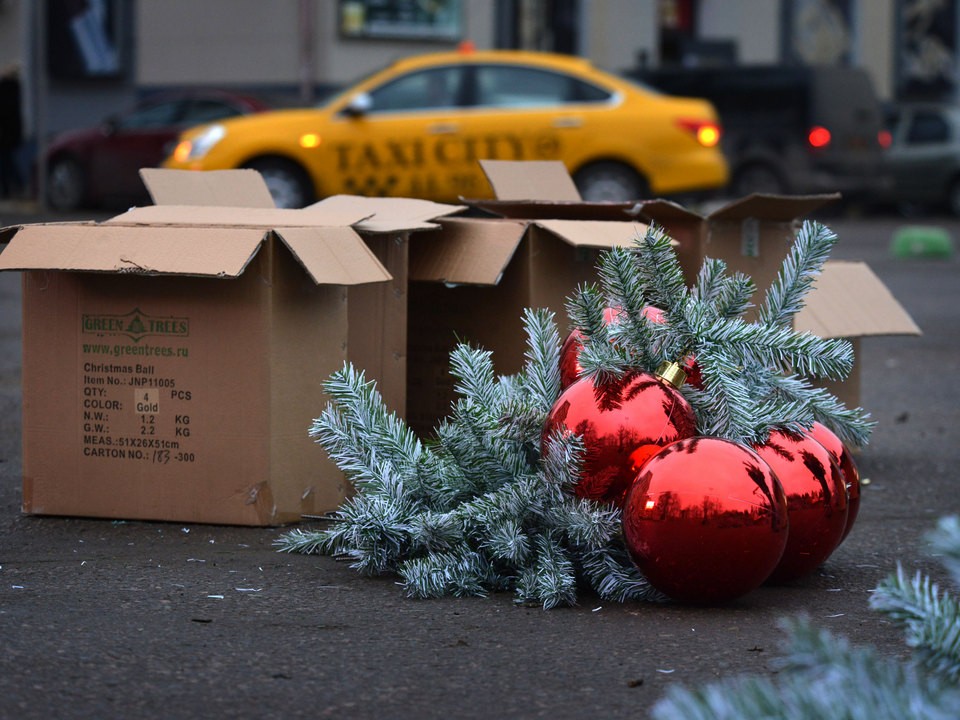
column 570, row 369
column 848, row 470
column 706, row 520
column 694, row 374
column 622, row 423
column 816, row 501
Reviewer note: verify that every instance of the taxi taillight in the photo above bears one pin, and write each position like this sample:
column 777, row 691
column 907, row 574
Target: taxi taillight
column 707, row 133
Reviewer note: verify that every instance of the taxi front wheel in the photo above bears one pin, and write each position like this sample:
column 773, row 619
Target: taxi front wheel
column 286, row 181
column 610, row 182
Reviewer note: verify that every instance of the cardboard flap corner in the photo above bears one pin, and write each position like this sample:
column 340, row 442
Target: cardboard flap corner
column 333, row 255
column 105, row 248
column 386, row 214
column 530, row 180
column 663, row 211
column 602, row 234
column 784, row 208
column 224, row 188
column 849, row 300
column 471, row 252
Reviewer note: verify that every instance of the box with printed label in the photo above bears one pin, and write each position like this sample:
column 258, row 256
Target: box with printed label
column 174, row 356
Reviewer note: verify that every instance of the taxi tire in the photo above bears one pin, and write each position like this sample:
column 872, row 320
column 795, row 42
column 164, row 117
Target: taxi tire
column 610, row 182
column 288, row 183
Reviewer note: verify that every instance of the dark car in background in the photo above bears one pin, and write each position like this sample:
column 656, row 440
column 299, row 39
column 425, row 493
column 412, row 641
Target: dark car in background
column 790, row 129
column 924, row 157
column 98, row 166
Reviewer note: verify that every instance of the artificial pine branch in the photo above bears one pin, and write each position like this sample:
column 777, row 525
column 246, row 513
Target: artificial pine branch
column 931, row 619
column 476, row 509
column 799, row 270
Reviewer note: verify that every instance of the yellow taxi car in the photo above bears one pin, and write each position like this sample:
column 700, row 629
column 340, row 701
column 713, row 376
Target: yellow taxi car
column 418, row 127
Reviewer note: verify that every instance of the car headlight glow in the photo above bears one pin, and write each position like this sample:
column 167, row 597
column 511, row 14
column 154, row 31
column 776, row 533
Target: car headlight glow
column 200, row 144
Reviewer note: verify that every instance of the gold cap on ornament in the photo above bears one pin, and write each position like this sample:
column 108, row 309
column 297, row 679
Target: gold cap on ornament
column 672, row 373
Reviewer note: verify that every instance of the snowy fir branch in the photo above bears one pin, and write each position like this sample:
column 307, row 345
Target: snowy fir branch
column 822, row 676
column 930, row 618
column 799, row 270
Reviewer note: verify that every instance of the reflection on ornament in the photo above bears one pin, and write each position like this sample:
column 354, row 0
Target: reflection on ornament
column 622, row 423
column 816, row 501
column 848, row 470
column 706, row 520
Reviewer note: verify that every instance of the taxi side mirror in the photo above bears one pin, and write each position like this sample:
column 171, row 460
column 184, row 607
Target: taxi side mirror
column 360, row 104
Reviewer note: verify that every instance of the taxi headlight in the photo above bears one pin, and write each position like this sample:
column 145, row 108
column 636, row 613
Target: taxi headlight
column 200, row 144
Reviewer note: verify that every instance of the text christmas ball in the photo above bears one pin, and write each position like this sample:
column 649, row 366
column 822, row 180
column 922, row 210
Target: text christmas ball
column 816, row 501
column 622, row 423
column 706, row 521
column 848, row 470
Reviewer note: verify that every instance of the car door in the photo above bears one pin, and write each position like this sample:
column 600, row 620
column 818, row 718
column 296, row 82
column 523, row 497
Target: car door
column 397, row 139
column 131, row 142
column 521, row 112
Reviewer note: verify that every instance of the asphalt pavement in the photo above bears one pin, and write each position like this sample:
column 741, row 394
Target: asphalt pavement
column 103, row 619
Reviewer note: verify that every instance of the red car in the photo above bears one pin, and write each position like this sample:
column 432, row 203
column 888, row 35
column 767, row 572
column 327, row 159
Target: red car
column 96, row 167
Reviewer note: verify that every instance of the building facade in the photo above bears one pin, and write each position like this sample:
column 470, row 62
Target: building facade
column 82, row 59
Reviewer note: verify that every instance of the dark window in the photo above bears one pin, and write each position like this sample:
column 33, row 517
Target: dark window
column 202, row 111
column 928, row 128
column 153, row 116
column 428, row 89
column 510, row 86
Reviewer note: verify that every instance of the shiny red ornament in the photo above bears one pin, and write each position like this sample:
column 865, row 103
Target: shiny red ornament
column 694, row 374
column 622, row 422
column 848, row 470
column 706, row 520
column 570, row 369
column 816, row 501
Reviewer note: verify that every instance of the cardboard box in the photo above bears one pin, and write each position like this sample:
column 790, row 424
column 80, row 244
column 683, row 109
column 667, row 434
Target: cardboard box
column 173, row 359
column 377, row 312
column 471, row 280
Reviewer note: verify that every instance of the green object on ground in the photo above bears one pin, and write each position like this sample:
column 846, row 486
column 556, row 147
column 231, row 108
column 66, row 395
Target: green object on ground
column 921, row 241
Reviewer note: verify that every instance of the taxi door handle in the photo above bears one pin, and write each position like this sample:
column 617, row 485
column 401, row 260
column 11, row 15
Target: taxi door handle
column 568, row 122
column 443, row 129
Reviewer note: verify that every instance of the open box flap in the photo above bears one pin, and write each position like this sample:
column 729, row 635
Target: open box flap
column 386, row 215
column 214, row 252
column 187, row 215
column 471, row 252
column 772, row 207
column 530, row 180
column 849, row 300
column 334, row 255
column 594, row 234
column 223, row 188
